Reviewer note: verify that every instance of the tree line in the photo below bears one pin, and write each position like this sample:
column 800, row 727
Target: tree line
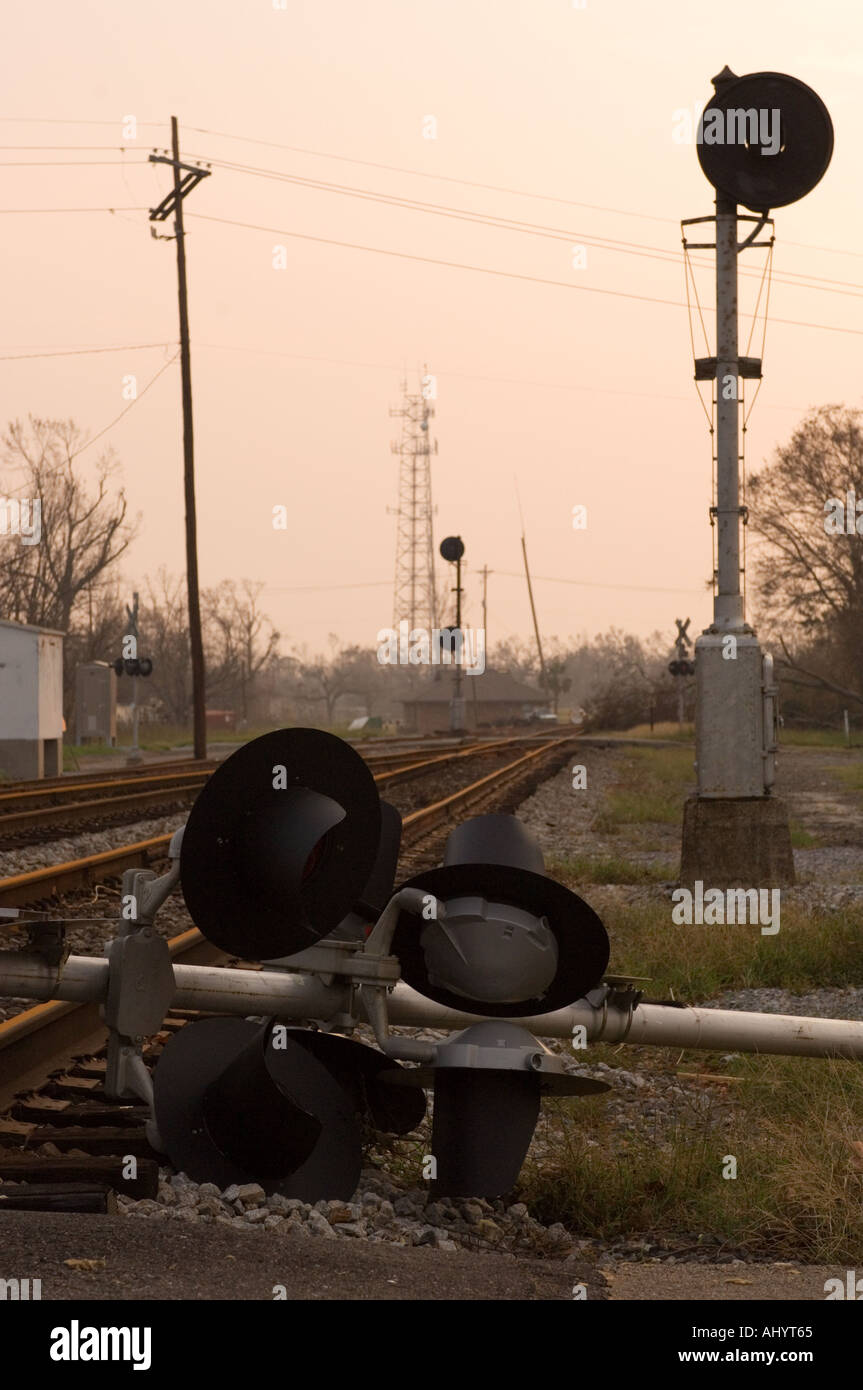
column 806, row 596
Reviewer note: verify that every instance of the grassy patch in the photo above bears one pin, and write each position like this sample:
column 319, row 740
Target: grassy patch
column 609, row 868
column 789, row 1126
column 802, row 839
column 653, row 785
column 686, row 734
column 818, row 738
column 851, row 776
column 809, row 951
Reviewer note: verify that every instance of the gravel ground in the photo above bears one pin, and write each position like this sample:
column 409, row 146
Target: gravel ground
column 380, row 1212
column 27, row 857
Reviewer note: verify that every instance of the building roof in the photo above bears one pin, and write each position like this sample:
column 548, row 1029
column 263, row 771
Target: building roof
column 28, row 627
column 491, row 687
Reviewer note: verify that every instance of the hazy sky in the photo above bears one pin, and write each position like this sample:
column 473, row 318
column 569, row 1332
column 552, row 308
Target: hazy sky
column 584, row 395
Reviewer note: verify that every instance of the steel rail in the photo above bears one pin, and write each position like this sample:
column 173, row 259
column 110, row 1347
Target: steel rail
column 163, row 788
column 26, row 1038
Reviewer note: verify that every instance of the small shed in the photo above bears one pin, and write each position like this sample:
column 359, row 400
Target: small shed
column 96, row 703
column 31, row 701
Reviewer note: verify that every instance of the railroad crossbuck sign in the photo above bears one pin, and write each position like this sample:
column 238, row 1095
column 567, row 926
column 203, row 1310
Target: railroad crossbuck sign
column 289, row 857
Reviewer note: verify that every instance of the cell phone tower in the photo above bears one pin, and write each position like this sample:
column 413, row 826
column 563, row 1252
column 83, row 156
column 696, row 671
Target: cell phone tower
column 414, row 596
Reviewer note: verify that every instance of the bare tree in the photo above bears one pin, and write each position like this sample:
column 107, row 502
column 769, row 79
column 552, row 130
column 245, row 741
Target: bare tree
column 324, row 679
column 163, row 627
column 810, row 572
column 83, row 531
column 242, row 639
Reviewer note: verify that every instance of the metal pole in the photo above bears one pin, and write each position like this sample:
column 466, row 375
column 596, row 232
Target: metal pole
column 485, row 604
column 728, row 602
column 135, row 755
column 195, row 636
column 459, row 648
column 85, row 979
column 135, row 752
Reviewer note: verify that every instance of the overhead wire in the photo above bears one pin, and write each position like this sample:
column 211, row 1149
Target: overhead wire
column 131, row 406
column 489, row 270
column 796, row 279
column 80, row 352
column 474, row 183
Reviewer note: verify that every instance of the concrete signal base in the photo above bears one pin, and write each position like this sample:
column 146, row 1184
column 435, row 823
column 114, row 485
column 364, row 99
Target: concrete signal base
column 739, row 841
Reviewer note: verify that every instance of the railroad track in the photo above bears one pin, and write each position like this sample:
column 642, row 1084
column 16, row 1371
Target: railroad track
column 52, row 1060
column 30, row 811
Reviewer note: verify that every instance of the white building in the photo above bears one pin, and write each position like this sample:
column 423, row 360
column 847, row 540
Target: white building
column 31, row 701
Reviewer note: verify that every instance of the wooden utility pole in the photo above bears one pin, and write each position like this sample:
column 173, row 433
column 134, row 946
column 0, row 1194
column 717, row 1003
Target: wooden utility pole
column 186, row 177
column 485, row 605
column 533, row 611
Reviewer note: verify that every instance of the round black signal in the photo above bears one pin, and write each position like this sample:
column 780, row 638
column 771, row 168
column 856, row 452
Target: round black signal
column 764, row 139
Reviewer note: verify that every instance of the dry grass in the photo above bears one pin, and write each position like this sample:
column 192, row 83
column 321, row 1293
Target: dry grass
column 789, row 1126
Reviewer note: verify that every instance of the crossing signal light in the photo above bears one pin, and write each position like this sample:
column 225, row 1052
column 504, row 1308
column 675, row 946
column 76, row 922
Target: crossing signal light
column 288, row 844
column 488, row 1082
column 237, row 1101
column 280, row 843
column 133, row 666
column 504, row 941
column 511, row 941
column 682, row 668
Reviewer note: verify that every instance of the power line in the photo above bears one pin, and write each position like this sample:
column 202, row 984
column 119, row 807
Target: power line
column 106, row 148
column 401, row 169
column 66, row 163
column 492, row 220
column 490, row 187
column 65, row 120
column 471, row 376
column 81, row 352
column 505, row 274
column 509, row 574
column 324, row 588
column 432, row 260
column 795, row 279
column 125, row 411
column 426, row 174
column 32, row 210
column 586, row 584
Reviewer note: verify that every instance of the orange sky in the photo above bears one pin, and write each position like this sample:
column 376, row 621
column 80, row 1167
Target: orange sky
column 586, row 397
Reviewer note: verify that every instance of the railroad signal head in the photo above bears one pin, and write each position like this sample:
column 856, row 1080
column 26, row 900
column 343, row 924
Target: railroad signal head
column 237, row 1101
column 452, row 548
column 280, row 843
column 379, row 887
column 133, row 666
column 512, row 941
column 488, row 1082
column 764, row 139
